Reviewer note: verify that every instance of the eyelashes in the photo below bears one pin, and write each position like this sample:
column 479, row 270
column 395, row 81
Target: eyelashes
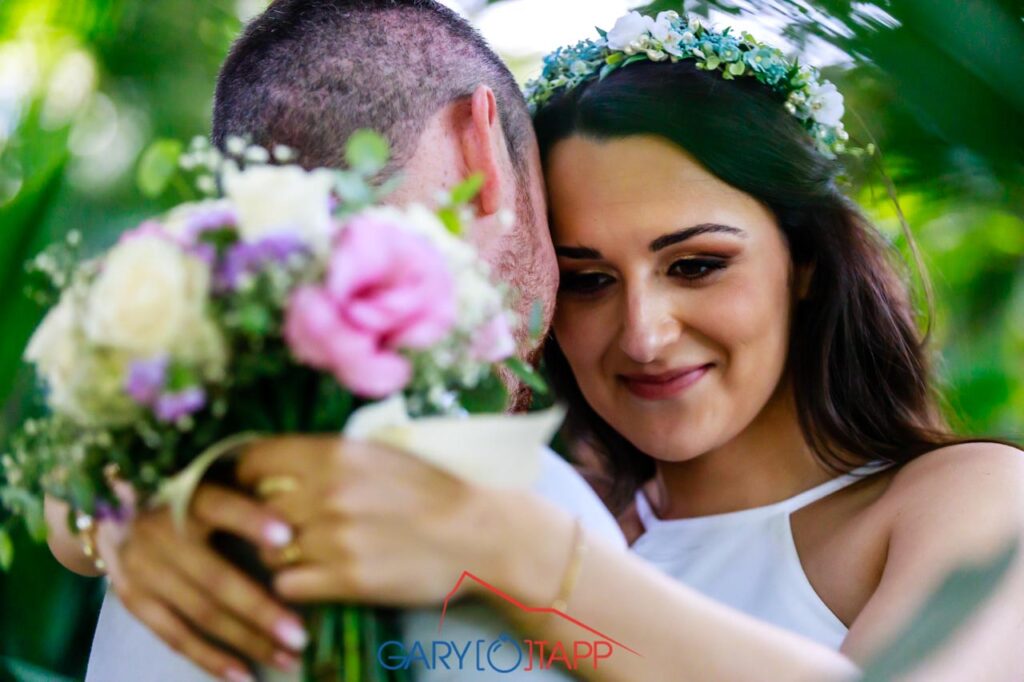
column 689, row 271
column 694, row 269
column 584, row 283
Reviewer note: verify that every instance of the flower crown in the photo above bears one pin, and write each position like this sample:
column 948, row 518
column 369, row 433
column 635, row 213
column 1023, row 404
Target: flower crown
column 815, row 102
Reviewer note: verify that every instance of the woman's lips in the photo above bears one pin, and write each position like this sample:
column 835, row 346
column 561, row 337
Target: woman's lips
column 666, row 385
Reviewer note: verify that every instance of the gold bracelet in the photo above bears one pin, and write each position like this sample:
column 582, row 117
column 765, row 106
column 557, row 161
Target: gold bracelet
column 572, row 571
column 87, row 528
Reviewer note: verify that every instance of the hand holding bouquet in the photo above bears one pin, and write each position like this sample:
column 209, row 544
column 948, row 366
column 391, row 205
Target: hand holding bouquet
column 286, row 301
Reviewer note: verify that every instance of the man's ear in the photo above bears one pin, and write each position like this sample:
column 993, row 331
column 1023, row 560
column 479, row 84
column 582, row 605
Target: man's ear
column 481, row 140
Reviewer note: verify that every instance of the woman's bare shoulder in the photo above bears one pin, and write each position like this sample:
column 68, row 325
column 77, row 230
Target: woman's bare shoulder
column 978, row 479
column 974, row 463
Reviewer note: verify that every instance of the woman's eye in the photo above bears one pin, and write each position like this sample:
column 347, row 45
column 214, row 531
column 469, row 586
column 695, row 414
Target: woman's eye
column 584, row 282
column 696, row 268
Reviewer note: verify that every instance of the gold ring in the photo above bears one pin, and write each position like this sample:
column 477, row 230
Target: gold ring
column 290, row 554
column 275, row 485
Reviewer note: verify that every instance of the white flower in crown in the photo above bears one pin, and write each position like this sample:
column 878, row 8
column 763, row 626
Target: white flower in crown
column 628, row 30
column 663, row 29
column 825, row 103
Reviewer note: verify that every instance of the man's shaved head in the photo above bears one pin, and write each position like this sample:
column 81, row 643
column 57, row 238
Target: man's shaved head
column 308, row 73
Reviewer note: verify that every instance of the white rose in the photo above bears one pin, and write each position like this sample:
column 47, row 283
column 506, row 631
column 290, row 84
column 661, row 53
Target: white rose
column 82, row 384
column 283, row 199
column 825, row 103
column 629, row 29
column 149, row 299
column 52, row 348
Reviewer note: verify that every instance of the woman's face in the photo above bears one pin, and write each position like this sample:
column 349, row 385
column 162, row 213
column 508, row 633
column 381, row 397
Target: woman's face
column 675, row 297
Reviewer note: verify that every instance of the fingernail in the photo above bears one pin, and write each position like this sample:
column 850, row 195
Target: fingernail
column 236, row 675
column 278, row 534
column 291, row 635
column 285, row 662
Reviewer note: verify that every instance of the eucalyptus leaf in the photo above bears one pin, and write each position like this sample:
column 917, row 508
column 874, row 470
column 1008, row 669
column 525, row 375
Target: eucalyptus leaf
column 536, row 327
column 450, row 219
column 528, row 375
column 488, row 397
column 956, row 599
column 158, row 166
column 467, row 190
column 354, row 192
column 367, row 152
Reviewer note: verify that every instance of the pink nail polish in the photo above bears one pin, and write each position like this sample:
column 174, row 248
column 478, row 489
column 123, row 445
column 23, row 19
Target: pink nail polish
column 285, row 662
column 291, row 635
column 236, row 675
column 278, row 534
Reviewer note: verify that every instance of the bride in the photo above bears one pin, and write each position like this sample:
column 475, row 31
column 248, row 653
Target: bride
column 730, row 334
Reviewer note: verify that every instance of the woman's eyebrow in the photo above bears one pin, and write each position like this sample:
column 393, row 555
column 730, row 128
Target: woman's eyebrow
column 663, row 242
column 668, row 240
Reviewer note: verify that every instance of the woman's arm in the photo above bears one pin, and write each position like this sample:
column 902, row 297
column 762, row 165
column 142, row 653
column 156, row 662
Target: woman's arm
column 357, row 508
column 952, row 507
column 677, row 633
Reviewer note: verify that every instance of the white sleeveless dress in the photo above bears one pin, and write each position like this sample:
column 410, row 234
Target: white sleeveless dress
column 747, row 560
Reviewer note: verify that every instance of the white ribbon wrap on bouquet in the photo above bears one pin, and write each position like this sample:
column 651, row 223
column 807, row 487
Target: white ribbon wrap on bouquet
column 499, row 450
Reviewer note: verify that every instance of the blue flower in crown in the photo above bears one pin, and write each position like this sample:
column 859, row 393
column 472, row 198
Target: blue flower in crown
column 815, row 102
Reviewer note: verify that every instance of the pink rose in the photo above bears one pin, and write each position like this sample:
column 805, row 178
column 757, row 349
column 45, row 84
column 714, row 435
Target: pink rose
column 386, row 289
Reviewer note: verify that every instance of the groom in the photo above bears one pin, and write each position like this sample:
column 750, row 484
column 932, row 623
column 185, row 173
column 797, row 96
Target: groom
column 306, row 74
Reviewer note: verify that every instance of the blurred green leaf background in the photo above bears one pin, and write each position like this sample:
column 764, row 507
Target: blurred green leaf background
column 87, row 85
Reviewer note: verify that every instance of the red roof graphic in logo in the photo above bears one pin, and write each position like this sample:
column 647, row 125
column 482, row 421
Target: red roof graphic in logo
column 523, row 607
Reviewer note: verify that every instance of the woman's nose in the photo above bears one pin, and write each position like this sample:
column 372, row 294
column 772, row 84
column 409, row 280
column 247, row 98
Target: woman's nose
column 649, row 326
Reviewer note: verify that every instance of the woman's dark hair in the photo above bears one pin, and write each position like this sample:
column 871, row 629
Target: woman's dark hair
column 856, row 360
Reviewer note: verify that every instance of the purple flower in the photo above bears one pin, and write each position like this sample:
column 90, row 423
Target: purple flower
column 108, row 512
column 146, row 379
column 170, row 407
column 246, row 258
column 207, row 219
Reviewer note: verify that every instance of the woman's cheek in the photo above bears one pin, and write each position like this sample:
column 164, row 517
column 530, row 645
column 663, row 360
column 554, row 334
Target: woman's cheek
column 752, row 328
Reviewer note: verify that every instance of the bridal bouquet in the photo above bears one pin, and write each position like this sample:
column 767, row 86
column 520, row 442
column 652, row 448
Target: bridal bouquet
column 284, row 301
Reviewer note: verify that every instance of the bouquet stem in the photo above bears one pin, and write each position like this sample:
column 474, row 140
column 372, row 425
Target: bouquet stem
column 346, row 639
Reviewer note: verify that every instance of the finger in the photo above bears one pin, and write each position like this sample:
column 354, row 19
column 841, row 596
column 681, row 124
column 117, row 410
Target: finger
column 230, row 587
column 313, row 583
column 208, row 617
column 177, row 635
column 299, row 508
column 286, row 456
column 321, row 543
column 226, row 510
